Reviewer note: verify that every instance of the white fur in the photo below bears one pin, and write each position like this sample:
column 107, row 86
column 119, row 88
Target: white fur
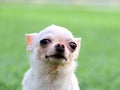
column 46, row 74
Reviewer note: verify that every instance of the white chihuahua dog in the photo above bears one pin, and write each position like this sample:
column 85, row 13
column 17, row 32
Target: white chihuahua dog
column 53, row 60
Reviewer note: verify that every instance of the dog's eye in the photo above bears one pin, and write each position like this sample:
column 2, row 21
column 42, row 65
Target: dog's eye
column 45, row 41
column 73, row 45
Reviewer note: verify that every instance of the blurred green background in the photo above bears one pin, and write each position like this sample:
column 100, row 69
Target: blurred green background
column 99, row 27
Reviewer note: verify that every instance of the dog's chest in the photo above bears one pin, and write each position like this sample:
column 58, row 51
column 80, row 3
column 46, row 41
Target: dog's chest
column 53, row 83
column 53, row 86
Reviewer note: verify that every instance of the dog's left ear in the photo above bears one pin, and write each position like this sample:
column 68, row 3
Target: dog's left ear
column 78, row 42
column 30, row 40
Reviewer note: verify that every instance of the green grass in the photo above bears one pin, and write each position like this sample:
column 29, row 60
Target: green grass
column 99, row 27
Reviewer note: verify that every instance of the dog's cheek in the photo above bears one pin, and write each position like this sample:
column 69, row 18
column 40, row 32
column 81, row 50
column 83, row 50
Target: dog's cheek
column 68, row 54
column 50, row 50
column 39, row 53
column 71, row 57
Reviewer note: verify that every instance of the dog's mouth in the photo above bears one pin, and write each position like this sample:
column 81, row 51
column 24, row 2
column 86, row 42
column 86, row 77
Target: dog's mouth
column 57, row 56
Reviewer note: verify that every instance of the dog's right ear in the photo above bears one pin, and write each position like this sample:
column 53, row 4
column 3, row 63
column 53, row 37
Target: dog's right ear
column 29, row 40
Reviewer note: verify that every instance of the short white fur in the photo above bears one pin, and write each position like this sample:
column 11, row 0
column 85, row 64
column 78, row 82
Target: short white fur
column 49, row 73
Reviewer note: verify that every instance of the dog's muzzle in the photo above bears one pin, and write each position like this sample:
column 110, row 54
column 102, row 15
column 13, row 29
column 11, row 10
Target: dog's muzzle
column 60, row 48
column 59, row 55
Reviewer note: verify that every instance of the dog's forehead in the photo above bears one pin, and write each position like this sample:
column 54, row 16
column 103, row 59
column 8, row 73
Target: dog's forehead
column 56, row 31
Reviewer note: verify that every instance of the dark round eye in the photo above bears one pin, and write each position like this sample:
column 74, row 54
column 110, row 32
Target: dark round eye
column 73, row 45
column 45, row 41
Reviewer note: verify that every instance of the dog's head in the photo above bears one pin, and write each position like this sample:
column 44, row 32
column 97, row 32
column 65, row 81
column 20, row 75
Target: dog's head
column 54, row 44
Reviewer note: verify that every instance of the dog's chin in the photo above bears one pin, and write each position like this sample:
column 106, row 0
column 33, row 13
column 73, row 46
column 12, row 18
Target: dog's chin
column 56, row 58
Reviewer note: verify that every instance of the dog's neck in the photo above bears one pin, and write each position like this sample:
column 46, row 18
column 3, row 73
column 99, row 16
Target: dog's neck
column 52, row 72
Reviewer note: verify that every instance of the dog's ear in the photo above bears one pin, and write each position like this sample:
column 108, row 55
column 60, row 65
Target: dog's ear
column 29, row 40
column 78, row 41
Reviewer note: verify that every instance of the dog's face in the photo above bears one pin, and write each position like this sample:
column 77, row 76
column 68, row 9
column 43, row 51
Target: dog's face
column 56, row 45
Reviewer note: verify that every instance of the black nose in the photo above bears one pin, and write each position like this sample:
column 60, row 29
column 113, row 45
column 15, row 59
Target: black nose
column 60, row 48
